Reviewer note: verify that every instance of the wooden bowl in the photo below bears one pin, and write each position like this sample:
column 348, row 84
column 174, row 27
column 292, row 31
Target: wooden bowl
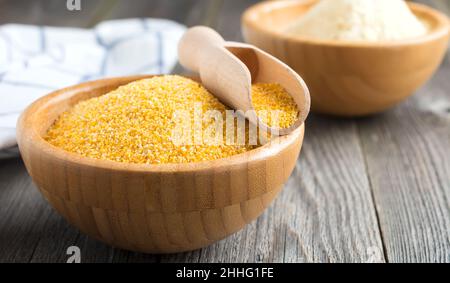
column 150, row 208
column 349, row 78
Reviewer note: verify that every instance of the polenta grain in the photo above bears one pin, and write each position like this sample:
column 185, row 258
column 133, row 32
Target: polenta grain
column 273, row 97
column 134, row 123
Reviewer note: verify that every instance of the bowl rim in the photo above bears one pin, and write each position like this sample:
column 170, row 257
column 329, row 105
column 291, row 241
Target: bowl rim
column 29, row 134
column 250, row 20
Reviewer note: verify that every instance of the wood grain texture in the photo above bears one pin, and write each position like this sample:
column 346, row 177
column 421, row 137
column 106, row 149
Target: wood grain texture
column 335, row 219
column 315, row 218
column 407, row 153
column 20, row 230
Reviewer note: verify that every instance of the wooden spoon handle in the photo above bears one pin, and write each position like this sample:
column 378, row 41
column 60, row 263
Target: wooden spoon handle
column 195, row 44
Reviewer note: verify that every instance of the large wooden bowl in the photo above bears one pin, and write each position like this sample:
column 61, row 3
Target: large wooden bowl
column 349, row 79
column 150, row 208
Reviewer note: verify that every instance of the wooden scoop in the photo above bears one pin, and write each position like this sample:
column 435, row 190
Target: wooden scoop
column 228, row 70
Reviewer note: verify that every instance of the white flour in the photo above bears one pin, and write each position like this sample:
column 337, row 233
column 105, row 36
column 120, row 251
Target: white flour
column 359, row 20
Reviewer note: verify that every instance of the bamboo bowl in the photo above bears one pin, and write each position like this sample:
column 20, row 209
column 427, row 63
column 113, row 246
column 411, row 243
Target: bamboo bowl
column 150, row 208
column 346, row 78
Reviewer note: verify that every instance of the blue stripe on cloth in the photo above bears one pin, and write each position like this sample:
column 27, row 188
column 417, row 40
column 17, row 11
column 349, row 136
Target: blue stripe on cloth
column 42, row 39
column 25, row 63
column 8, row 43
column 160, row 52
column 16, row 47
column 144, row 23
column 120, row 40
column 117, row 41
column 99, row 39
column 85, row 78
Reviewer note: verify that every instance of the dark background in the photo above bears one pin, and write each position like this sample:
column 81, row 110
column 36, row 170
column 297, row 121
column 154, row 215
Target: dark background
column 222, row 14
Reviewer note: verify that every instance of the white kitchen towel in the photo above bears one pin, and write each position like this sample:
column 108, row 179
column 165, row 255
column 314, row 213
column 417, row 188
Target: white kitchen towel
column 35, row 60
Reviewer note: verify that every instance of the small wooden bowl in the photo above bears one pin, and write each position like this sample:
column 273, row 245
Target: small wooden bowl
column 150, row 208
column 346, row 78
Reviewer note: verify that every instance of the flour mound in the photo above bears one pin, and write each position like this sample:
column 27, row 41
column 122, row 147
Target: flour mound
column 359, row 20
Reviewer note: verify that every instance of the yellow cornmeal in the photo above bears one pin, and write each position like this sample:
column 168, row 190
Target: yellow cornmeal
column 270, row 97
column 134, row 123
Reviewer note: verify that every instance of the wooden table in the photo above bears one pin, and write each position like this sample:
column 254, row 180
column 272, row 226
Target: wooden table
column 369, row 189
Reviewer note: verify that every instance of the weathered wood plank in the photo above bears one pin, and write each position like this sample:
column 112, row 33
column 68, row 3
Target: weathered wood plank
column 31, row 231
column 334, row 217
column 407, row 152
column 56, row 237
column 23, row 213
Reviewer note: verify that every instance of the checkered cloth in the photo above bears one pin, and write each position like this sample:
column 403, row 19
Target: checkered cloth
column 35, row 60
